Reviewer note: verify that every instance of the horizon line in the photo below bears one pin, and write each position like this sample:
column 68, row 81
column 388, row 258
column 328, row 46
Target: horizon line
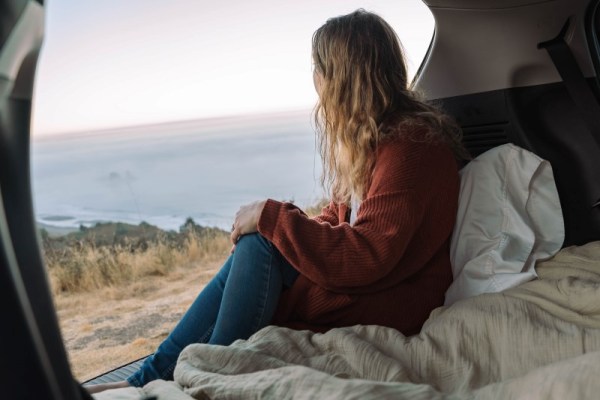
column 206, row 121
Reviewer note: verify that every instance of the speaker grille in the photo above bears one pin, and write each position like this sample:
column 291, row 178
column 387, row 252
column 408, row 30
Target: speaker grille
column 480, row 138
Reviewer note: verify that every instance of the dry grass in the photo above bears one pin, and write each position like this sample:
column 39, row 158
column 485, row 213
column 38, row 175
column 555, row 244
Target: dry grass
column 109, row 327
column 315, row 209
column 87, row 267
column 116, row 304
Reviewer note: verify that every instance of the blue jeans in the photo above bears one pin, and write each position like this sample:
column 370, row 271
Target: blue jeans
column 240, row 300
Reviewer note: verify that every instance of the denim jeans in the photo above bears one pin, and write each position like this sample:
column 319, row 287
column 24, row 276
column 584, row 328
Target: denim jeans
column 240, row 300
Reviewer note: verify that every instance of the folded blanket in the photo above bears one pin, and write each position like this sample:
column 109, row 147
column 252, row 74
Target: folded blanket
column 540, row 340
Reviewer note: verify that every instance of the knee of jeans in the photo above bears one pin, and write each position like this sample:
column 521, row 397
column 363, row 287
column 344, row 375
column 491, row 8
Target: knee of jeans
column 252, row 239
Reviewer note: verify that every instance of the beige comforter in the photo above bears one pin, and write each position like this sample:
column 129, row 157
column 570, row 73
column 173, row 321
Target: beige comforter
column 537, row 341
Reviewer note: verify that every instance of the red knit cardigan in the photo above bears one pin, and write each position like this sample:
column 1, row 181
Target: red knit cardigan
column 392, row 267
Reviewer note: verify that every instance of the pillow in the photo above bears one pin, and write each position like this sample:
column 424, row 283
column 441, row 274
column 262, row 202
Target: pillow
column 509, row 216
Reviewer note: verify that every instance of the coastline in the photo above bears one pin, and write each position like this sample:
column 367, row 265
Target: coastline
column 55, row 231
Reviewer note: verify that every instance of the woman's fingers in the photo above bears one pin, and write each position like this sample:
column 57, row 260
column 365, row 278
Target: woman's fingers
column 246, row 220
column 235, row 235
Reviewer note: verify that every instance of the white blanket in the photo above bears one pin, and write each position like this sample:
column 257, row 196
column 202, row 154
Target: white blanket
column 540, row 340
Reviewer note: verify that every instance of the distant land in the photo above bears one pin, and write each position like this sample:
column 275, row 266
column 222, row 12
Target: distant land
column 109, row 234
column 56, row 231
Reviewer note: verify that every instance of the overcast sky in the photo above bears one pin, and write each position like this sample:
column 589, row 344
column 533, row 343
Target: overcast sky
column 116, row 63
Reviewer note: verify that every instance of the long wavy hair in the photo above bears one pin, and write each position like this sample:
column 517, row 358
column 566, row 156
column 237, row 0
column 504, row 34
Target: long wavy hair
column 364, row 98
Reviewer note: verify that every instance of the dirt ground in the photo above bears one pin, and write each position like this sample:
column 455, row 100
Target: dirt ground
column 107, row 328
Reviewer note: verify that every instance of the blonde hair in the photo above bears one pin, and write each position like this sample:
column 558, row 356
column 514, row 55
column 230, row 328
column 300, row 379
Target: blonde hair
column 363, row 99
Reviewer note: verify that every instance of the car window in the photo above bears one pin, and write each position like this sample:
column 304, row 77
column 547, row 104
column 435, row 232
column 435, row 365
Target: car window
column 153, row 122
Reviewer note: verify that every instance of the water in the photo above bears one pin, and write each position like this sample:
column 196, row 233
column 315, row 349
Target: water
column 166, row 173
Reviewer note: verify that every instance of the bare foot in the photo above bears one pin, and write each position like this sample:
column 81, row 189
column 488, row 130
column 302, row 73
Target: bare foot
column 106, row 386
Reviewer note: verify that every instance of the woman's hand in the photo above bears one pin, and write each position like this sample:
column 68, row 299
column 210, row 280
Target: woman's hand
column 246, row 220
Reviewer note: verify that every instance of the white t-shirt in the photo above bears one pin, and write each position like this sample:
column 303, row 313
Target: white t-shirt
column 354, row 204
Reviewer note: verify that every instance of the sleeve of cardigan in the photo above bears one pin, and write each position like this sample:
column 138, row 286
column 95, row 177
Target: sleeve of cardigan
column 345, row 256
column 329, row 214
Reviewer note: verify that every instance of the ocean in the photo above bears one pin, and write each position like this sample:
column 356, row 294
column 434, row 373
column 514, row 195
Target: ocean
column 163, row 174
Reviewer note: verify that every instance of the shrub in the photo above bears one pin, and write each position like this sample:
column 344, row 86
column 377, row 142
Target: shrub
column 78, row 265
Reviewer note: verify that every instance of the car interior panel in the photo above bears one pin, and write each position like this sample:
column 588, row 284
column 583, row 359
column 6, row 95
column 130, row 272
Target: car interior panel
column 34, row 355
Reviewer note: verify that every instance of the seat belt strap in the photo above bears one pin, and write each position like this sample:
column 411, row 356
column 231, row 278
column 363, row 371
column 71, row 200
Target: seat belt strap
column 576, row 84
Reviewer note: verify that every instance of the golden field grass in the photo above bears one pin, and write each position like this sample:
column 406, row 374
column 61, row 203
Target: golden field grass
column 119, row 290
column 123, row 303
column 109, row 327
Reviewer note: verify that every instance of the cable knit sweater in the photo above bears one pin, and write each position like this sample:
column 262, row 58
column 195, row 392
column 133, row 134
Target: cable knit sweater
column 392, row 266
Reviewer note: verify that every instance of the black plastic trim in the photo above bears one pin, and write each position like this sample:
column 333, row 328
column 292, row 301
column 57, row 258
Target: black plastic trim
column 33, row 359
column 118, row 374
column 592, row 14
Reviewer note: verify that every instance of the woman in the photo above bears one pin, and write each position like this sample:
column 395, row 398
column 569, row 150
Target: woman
column 379, row 252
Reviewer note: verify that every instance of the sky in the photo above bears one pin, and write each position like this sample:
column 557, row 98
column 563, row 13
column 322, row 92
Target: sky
column 118, row 63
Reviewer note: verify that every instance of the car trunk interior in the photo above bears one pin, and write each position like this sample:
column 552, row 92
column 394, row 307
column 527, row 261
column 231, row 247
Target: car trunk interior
column 527, row 104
